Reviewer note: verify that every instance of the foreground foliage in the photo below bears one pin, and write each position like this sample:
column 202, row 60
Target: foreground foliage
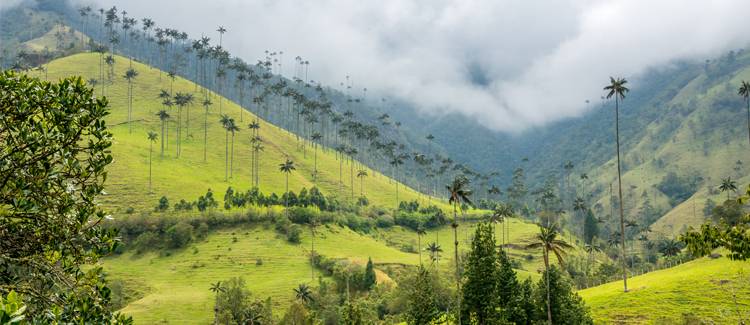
column 52, row 167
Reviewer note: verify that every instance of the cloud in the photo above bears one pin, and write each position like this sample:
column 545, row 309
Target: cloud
column 508, row 64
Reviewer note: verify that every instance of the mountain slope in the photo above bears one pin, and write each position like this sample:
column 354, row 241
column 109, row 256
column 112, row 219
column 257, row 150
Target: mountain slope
column 702, row 289
column 127, row 185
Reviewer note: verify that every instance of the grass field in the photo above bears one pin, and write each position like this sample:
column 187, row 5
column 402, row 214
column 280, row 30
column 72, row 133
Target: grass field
column 174, row 286
column 702, row 290
column 188, row 176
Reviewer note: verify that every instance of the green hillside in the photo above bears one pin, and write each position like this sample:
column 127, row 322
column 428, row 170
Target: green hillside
column 188, row 176
column 174, row 286
column 698, row 292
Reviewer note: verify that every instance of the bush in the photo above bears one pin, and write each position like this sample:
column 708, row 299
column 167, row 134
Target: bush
column 303, row 215
column 384, row 221
column 163, row 204
column 179, row 235
column 294, row 233
column 146, row 241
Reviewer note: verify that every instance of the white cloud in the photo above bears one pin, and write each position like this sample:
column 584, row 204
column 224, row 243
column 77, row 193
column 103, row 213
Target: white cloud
column 509, row 64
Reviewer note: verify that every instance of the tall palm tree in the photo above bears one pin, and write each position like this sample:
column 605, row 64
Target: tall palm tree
column 152, row 136
column 287, row 167
column 420, row 232
column 221, row 31
column 398, row 160
column 316, row 137
column 458, row 195
column 163, row 117
column 130, row 75
column 579, row 206
column 501, row 214
column 303, row 294
column 206, row 106
column 226, row 123
column 617, row 89
column 744, row 91
column 216, row 288
column 728, row 185
column 361, row 174
column 313, row 225
column 233, row 128
column 435, row 251
column 257, row 149
column 547, row 240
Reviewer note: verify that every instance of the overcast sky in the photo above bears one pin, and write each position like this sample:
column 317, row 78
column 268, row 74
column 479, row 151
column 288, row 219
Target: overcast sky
column 509, row 64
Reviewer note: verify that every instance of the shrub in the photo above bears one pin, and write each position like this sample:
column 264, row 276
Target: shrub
column 146, row 241
column 302, row 215
column 163, row 204
column 179, row 235
column 384, row 221
column 294, row 233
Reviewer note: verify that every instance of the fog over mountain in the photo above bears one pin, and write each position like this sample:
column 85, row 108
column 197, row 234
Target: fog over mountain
column 508, row 64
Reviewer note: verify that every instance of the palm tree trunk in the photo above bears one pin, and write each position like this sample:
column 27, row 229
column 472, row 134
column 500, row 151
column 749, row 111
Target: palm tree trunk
column 231, row 160
column 619, row 185
column 162, row 138
column 312, row 253
column 205, row 135
column 458, row 270
column 747, row 101
column 419, row 248
column 226, row 157
column 546, row 267
column 150, row 151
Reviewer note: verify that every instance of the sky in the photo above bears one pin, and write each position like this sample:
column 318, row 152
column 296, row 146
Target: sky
column 508, row 64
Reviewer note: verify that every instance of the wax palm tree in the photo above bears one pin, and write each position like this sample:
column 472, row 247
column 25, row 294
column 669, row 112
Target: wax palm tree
column 398, row 160
column 226, row 123
column 547, row 240
column 420, row 232
column 303, row 294
column 130, row 75
column 206, row 106
column 221, row 31
column 744, row 91
column 287, row 167
column 579, row 206
column 254, row 127
column 257, row 149
column 316, row 137
column 435, row 251
column 458, row 195
column 591, row 248
column 617, row 89
column 313, row 225
column 498, row 216
column 152, row 136
column 362, row 174
column 502, row 213
column 233, row 128
column 163, row 117
column 216, row 288
column 728, row 185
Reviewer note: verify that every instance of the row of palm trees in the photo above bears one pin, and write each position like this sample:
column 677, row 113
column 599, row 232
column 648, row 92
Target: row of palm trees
column 302, row 105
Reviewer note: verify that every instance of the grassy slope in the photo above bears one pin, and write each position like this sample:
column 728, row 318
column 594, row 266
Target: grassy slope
column 49, row 41
column 702, row 287
column 175, row 287
column 128, row 175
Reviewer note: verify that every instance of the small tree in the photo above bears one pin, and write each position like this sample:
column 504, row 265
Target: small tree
column 422, row 302
column 369, row 279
